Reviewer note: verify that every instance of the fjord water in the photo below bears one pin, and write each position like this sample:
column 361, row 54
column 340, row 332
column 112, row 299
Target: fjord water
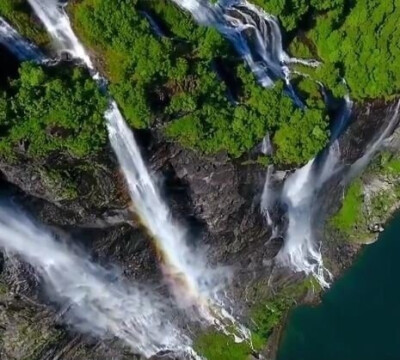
column 359, row 316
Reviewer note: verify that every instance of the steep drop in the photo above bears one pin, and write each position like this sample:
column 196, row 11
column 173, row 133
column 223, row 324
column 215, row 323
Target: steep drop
column 94, row 304
column 255, row 35
column 193, row 282
column 300, row 251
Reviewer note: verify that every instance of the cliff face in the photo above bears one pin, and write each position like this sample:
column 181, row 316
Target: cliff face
column 215, row 197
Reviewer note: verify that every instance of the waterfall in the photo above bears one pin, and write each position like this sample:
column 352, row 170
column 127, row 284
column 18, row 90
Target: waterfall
column 195, row 285
column 300, row 251
column 254, row 33
column 21, row 48
column 182, row 263
column 266, row 146
column 266, row 196
column 94, row 300
column 330, row 157
column 57, row 23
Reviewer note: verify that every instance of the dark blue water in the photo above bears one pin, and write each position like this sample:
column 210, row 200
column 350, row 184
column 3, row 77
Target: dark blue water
column 359, row 317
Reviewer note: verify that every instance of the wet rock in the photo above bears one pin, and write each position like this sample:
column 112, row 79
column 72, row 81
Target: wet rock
column 367, row 122
column 216, row 198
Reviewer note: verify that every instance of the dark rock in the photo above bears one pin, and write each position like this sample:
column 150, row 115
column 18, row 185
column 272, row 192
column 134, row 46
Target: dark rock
column 216, row 198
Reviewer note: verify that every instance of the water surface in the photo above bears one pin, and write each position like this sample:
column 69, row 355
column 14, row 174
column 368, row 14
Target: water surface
column 359, row 318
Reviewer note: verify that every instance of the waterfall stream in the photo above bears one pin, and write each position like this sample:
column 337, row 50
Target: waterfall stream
column 187, row 269
column 20, row 47
column 194, row 284
column 255, row 35
column 300, row 251
column 57, row 23
column 93, row 304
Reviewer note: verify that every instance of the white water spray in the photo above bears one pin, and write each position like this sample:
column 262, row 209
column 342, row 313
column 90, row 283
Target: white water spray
column 193, row 282
column 93, row 303
column 266, row 196
column 57, row 23
column 266, row 146
column 170, row 237
column 300, row 251
column 254, row 33
column 20, row 47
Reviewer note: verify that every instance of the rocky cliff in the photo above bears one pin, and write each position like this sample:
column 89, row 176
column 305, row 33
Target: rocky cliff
column 215, row 197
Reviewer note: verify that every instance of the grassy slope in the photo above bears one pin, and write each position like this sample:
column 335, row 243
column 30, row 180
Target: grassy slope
column 265, row 315
column 365, row 204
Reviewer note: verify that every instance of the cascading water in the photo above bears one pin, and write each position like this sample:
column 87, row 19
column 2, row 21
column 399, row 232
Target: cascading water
column 182, row 263
column 254, row 33
column 99, row 307
column 266, row 146
column 194, row 284
column 266, row 196
column 56, row 21
column 256, row 36
column 94, row 304
column 300, row 251
column 20, row 47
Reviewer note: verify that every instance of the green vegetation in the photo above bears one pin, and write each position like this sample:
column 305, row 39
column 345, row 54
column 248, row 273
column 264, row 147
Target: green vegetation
column 292, row 12
column 350, row 213
column 171, row 81
column 147, row 73
column 217, row 346
column 19, row 14
column 360, row 211
column 357, row 43
column 52, row 109
column 370, row 63
column 265, row 316
column 298, row 135
column 60, row 183
column 387, row 164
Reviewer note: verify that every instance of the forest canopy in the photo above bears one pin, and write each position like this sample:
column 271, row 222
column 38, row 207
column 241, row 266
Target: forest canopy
column 174, row 80
column 52, row 109
column 357, row 41
column 191, row 84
